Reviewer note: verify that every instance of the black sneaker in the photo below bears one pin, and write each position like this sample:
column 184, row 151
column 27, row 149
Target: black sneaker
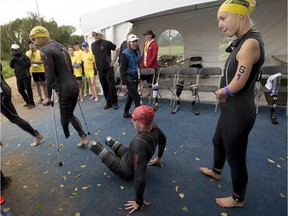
column 107, row 106
column 127, row 115
column 115, row 106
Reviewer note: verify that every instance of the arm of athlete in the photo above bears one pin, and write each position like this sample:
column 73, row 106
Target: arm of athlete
column 246, row 57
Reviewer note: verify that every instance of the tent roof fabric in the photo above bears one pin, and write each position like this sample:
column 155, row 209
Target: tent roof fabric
column 104, row 18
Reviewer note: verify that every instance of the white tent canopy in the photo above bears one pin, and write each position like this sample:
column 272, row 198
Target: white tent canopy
column 195, row 20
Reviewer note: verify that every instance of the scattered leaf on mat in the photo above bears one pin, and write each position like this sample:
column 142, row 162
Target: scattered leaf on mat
column 121, row 187
column 185, row 209
column 64, row 177
column 45, row 173
column 24, row 187
column 83, row 166
column 282, row 196
column 224, row 214
column 181, row 146
column 196, row 158
column 271, row 161
column 77, row 176
column 181, row 195
column 98, row 185
column 212, row 180
column 278, row 165
column 176, row 188
column 282, row 158
column 76, row 189
column 86, row 187
column 61, row 186
column 77, row 214
column 219, row 186
column 6, row 209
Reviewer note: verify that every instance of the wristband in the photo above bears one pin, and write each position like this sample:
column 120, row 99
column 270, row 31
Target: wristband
column 227, row 91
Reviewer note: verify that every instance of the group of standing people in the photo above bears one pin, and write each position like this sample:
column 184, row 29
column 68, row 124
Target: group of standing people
column 236, row 98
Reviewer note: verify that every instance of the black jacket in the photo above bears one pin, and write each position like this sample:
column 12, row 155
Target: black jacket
column 21, row 65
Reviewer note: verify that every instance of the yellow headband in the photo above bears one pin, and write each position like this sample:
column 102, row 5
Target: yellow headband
column 242, row 7
column 39, row 31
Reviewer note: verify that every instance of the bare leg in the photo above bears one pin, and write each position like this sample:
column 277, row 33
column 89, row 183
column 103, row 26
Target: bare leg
column 229, row 202
column 211, row 173
column 44, row 86
column 92, row 87
column 38, row 86
column 81, row 90
column 37, row 139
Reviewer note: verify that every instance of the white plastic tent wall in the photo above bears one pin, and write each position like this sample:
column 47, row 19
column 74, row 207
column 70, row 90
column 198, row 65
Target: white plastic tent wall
column 198, row 25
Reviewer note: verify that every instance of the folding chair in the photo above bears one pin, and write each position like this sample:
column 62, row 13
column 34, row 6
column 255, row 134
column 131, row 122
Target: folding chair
column 209, row 81
column 145, row 85
column 166, row 80
column 186, row 79
column 265, row 73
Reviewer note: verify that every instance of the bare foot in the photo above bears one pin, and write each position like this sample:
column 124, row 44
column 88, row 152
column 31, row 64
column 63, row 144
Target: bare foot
column 84, row 141
column 37, row 139
column 229, row 202
column 209, row 172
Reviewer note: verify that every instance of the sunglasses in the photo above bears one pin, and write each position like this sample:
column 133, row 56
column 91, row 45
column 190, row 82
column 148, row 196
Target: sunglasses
column 232, row 45
column 95, row 35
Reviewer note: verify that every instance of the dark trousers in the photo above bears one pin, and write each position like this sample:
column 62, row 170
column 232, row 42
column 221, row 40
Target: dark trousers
column 25, row 89
column 133, row 95
column 107, row 81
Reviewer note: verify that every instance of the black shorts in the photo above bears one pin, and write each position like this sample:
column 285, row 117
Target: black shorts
column 78, row 78
column 37, row 77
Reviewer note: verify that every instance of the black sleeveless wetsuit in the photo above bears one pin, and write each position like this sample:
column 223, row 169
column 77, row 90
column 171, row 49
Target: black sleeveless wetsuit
column 59, row 72
column 237, row 118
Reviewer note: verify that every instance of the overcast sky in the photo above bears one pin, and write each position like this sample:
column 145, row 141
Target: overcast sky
column 64, row 12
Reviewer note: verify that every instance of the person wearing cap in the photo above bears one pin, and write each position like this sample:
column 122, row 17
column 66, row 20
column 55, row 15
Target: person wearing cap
column 9, row 111
column 130, row 73
column 236, row 97
column 37, row 70
column 59, row 74
column 131, row 163
column 104, row 64
column 21, row 65
column 149, row 56
column 77, row 69
column 88, row 62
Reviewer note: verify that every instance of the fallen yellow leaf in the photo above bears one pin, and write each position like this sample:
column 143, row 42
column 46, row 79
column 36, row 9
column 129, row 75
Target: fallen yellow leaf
column 77, row 214
column 196, row 158
column 64, row 177
column 122, row 187
column 62, row 186
column 224, row 214
column 181, row 195
column 278, row 165
column 176, row 188
column 83, row 166
column 24, row 187
column 271, row 161
column 98, row 185
column 282, row 196
column 86, row 187
column 77, row 176
column 45, row 173
column 185, row 209
column 181, row 146
column 76, row 189
column 219, row 186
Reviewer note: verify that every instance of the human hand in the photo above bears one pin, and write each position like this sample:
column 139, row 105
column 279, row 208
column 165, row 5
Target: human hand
column 155, row 162
column 221, row 95
column 134, row 206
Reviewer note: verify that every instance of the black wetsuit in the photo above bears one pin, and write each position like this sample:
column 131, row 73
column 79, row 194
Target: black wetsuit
column 131, row 163
column 59, row 72
column 9, row 111
column 237, row 118
column 101, row 49
column 21, row 65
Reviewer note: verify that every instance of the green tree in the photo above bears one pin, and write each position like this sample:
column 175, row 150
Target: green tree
column 18, row 32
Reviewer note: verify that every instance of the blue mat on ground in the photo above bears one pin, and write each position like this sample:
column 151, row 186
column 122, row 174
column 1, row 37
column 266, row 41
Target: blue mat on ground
column 84, row 186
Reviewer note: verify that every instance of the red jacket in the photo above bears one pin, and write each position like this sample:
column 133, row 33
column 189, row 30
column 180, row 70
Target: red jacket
column 151, row 55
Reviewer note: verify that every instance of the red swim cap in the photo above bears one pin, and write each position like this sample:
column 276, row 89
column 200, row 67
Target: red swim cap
column 144, row 114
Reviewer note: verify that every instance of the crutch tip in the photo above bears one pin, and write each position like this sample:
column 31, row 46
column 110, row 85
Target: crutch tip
column 60, row 164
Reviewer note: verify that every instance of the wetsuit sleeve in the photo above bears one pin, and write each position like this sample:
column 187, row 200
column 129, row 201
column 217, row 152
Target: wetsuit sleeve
column 46, row 56
column 123, row 68
column 161, row 140
column 140, row 166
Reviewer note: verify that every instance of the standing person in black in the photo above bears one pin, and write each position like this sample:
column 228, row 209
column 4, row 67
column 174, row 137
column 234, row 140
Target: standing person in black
column 101, row 50
column 130, row 73
column 131, row 163
column 236, row 97
column 9, row 111
column 59, row 72
column 21, row 65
